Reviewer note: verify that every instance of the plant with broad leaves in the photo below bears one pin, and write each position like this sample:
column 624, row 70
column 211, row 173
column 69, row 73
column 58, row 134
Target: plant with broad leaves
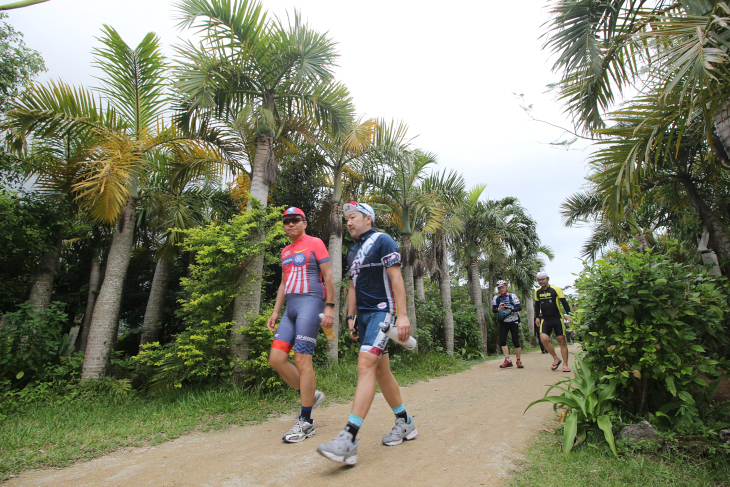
column 588, row 403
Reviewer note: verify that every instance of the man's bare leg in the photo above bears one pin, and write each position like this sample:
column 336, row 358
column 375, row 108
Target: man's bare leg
column 545, row 339
column 367, row 364
column 563, row 350
column 307, row 379
column 387, row 382
column 279, row 361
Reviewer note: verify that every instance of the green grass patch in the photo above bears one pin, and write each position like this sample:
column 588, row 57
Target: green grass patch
column 56, row 435
column 587, row 465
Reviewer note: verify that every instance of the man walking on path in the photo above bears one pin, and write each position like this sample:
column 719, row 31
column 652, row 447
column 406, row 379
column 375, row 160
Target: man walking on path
column 376, row 293
column 507, row 305
column 549, row 318
column 304, row 262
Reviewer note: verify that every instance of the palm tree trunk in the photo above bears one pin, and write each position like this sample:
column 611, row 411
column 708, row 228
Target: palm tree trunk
column 106, row 311
column 407, row 270
column 418, row 277
column 94, row 282
column 335, row 251
column 247, row 302
column 445, row 288
column 718, row 241
column 42, row 289
column 477, row 301
column 155, row 303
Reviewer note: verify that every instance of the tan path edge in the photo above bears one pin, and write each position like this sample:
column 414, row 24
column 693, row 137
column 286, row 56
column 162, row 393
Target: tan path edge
column 471, row 432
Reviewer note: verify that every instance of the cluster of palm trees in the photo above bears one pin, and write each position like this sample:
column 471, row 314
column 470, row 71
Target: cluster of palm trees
column 155, row 141
column 650, row 81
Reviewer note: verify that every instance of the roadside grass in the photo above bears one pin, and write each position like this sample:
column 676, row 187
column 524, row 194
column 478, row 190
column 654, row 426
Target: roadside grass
column 590, row 465
column 57, row 435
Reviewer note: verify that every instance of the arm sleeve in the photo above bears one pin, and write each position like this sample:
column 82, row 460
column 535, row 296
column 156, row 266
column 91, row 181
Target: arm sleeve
column 516, row 305
column 495, row 309
column 537, row 304
column 389, row 251
column 320, row 251
column 566, row 306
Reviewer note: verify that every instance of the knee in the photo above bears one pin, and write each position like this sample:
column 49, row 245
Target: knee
column 303, row 362
column 274, row 361
column 367, row 365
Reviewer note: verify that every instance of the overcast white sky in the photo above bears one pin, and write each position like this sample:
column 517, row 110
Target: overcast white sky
column 448, row 69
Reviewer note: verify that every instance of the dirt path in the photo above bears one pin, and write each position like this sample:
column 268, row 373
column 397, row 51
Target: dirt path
column 471, row 432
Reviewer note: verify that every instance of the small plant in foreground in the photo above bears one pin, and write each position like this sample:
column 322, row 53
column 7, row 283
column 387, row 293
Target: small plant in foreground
column 588, row 404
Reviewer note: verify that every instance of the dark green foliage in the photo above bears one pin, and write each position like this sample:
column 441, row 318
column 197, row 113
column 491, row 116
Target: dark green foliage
column 32, row 347
column 653, row 324
column 29, row 223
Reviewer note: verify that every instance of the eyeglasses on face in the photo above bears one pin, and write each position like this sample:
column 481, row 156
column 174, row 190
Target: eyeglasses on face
column 542, row 279
column 288, row 221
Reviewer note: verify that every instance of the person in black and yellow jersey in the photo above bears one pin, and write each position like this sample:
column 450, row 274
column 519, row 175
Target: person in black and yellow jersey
column 549, row 318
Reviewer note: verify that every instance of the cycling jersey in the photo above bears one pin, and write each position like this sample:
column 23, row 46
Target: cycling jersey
column 368, row 262
column 546, row 303
column 511, row 302
column 300, row 262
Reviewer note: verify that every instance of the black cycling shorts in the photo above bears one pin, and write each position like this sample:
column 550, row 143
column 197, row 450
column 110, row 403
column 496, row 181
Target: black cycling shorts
column 511, row 327
column 547, row 326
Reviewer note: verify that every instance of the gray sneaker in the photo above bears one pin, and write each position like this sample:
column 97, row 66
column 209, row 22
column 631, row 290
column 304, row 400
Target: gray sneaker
column 401, row 431
column 318, row 398
column 341, row 449
column 301, row 430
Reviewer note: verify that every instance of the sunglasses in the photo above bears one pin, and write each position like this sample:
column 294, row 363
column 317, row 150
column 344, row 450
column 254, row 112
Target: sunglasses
column 542, row 279
column 288, row 221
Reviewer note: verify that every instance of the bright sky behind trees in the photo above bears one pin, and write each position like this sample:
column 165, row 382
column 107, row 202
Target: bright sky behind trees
column 447, row 69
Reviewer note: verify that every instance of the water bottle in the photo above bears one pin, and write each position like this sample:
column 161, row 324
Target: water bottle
column 392, row 332
column 329, row 332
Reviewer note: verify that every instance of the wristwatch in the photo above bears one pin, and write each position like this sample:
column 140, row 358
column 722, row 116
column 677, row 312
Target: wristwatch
column 350, row 318
column 330, row 304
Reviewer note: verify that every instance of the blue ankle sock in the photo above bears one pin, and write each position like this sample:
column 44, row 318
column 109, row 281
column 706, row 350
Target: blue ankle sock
column 306, row 413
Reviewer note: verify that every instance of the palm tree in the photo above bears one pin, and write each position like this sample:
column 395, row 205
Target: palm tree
column 273, row 78
column 340, row 152
column 396, row 172
column 450, row 189
column 113, row 173
column 676, row 54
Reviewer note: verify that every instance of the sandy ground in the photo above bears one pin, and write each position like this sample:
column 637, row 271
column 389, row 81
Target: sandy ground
column 471, row 432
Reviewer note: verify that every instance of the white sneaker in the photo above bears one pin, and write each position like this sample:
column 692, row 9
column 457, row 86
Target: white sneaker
column 401, row 431
column 301, row 430
column 318, row 398
column 341, row 449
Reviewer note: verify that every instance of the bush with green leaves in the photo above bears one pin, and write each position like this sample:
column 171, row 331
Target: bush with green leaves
column 652, row 324
column 202, row 351
column 34, row 349
column 588, row 404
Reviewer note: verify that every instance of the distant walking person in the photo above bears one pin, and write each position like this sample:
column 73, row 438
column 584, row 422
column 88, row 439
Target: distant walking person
column 507, row 305
column 304, row 262
column 376, row 293
column 546, row 306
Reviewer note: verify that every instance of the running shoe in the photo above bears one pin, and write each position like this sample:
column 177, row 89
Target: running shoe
column 401, row 431
column 507, row 363
column 301, row 430
column 519, row 364
column 318, row 398
column 341, row 449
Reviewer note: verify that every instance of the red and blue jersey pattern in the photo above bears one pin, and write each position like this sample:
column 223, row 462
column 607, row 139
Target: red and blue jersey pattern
column 300, row 263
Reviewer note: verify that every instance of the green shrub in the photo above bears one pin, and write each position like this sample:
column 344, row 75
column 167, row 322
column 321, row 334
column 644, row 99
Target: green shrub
column 202, row 351
column 652, row 324
column 32, row 347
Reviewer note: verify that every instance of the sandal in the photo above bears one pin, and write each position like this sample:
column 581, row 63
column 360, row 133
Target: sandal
column 554, row 367
column 567, row 369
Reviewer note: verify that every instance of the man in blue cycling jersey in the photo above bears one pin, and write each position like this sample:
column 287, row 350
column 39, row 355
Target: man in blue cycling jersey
column 376, row 292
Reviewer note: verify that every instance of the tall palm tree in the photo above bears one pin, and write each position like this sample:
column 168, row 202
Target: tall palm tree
column 676, row 54
column 272, row 77
column 114, row 171
column 449, row 186
column 396, row 172
column 339, row 152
